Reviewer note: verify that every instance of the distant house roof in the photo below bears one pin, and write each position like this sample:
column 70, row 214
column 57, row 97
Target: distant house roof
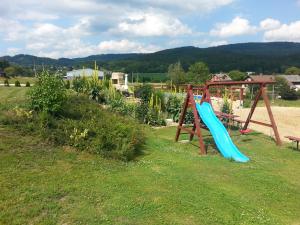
column 292, row 78
column 84, row 72
column 260, row 78
column 220, row 77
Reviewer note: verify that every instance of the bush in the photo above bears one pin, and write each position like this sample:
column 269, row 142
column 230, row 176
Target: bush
column 48, row 94
column 6, row 83
column 17, row 83
column 285, row 91
column 85, row 126
column 173, row 107
column 27, row 84
column 144, row 93
column 67, row 84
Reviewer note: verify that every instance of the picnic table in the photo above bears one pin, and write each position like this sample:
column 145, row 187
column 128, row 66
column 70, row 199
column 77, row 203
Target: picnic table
column 294, row 139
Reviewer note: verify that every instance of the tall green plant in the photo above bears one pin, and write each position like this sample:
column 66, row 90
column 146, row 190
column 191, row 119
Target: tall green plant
column 48, row 94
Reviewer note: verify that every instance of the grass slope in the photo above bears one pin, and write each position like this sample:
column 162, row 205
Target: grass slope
column 169, row 184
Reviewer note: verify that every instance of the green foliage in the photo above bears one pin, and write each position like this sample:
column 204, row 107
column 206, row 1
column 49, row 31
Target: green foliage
column 14, row 70
column 144, row 92
column 17, row 83
column 6, row 83
column 173, row 107
column 284, row 90
column 292, row 70
column 27, row 84
column 84, row 125
column 67, row 84
column 198, row 73
column 79, row 84
column 189, row 117
column 4, row 64
column 237, row 75
column 176, row 74
column 48, row 94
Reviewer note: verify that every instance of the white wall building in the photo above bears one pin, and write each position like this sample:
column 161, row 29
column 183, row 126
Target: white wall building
column 84, row 72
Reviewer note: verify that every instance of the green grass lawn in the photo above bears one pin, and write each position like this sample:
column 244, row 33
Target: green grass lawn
column 22, row 80
column 12, row 95
column 168, row 184
column 282, row 103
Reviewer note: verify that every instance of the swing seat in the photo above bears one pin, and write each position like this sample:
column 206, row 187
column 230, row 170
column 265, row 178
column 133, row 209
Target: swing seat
column 247, row 131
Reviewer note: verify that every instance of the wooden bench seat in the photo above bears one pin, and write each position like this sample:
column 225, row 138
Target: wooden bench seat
column 294, row 139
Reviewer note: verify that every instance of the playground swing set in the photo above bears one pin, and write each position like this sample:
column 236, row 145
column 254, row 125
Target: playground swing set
column 205, row 117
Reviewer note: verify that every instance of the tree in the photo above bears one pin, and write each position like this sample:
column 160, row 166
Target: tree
column 198, row 73
column 3, row 64
column 237, row 75
column 48, row 94
column 292, row 70
column 10, row 71
column 284, row 90
column 176, row 74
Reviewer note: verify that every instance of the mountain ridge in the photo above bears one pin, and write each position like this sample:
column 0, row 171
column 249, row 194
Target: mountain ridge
column 252, row 56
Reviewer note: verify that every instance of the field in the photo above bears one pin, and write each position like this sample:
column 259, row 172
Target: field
column 22, row 80
column 168, row 184
column 282, row 103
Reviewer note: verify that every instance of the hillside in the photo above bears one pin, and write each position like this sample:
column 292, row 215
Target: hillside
column 273, row 57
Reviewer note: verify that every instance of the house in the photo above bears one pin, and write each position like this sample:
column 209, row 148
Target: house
column 2, row 74
column 220, row 77
column 260, row 78
column 120, row 80
column 293, row 81
column 84, row 73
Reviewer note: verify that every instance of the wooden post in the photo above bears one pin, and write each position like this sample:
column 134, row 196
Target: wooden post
column 196, row 128
column 267, row 103
column 253, row 108
column 184, row 109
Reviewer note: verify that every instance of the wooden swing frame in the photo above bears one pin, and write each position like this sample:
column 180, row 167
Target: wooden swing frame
column 196, row 129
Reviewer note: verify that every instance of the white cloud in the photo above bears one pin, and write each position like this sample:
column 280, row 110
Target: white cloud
column 269, row 24
column 11, row 29
column 285, row 32
column 152, row 24
column 238, row 26
column 209, row 43
column 125, row 46
column 190, row 5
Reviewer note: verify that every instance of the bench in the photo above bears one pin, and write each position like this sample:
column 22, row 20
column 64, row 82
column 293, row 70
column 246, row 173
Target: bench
column 239, row 122
column 294, row 139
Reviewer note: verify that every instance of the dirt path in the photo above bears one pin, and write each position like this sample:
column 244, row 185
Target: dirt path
column 287, row 120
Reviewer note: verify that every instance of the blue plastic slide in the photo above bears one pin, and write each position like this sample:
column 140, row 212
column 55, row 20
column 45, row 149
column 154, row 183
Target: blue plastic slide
column 219, row 133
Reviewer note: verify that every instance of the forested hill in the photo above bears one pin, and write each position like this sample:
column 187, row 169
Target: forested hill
column 258, row 57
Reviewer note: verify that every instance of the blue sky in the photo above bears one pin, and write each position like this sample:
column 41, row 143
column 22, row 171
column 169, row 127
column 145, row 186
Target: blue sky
column 77, row 28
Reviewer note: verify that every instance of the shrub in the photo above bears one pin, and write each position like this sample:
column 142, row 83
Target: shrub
column 6, row 83
column 173, row 107
column 285, row 91
column 144, row 93
column 67, row 84
column 85, row 126
column 27, row 84
column 48, row 94
column 17, row 83
column 79, row 84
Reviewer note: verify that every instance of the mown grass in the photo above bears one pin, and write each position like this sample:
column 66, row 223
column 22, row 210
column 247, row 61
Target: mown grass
column 22, row 80
column 169, row 184
column 282, row 103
